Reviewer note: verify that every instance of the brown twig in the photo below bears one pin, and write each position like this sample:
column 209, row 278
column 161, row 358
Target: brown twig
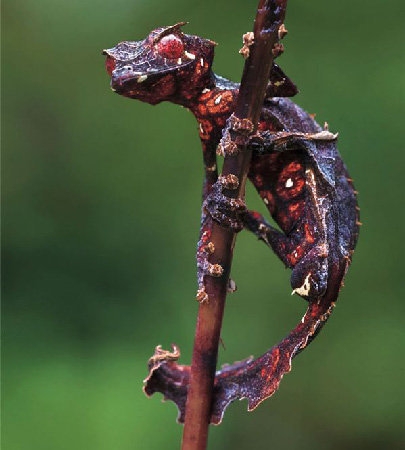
column 270, row 16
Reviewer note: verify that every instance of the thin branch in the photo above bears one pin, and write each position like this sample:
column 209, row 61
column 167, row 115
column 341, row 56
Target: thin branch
column 243, row 123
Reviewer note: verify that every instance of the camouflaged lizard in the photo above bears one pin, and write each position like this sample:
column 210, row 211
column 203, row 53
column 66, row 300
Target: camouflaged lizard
column 295, row 168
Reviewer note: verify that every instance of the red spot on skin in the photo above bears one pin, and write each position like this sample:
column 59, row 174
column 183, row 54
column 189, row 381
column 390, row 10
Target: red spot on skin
column 308, row 236
column 170, row 47
column 296, row 210
column 294, row 166
column 296, row 255
column 258, row 180
column 293, row 207
column 291, row 181
column 207, row 107
column 205, row 129
column 266, row 126
column 109, row 65
column 262, row 126
column 276, row 357
column 199, row 68
column 224, row 103
column 315, row 312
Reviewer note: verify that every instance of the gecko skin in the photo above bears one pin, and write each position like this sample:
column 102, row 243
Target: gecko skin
column 297, row 172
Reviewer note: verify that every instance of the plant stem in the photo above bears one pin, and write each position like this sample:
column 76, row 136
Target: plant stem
column 270, row 15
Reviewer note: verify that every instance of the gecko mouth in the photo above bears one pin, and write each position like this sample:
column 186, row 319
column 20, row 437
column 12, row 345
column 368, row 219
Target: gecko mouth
column 134, row 83
column 125, row 78
column 122, row 79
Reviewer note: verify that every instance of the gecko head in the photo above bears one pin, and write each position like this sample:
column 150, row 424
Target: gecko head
column 167, row 65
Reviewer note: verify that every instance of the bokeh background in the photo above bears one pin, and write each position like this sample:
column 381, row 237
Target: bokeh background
column 99, row 262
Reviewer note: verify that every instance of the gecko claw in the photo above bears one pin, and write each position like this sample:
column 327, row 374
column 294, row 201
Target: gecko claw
column 227, row 211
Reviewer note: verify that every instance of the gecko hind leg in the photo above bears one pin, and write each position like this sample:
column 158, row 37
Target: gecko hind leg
column 281, row 244
column 309, row 275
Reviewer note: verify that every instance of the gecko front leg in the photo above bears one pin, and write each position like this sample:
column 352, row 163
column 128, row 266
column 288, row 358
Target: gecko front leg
column 276, row 240
column 227, row 211
column 216, row 206
column 309, row 274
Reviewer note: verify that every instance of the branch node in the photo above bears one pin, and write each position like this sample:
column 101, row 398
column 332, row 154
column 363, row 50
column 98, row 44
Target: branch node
column 215, row 270
column 202, row 296
column 244, row 126
column 282, row 31
column 248, row 40
column 227, row 147
column 210, row 248
column 230, row 181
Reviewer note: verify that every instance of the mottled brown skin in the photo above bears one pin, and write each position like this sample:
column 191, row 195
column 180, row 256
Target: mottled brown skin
column 295, row 168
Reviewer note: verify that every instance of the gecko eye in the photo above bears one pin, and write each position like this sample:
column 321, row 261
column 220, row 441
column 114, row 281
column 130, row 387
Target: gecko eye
column 170, row 47
column 110, row 65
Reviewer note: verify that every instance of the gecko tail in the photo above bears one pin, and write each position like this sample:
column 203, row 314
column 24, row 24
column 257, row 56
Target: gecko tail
column 253, row 379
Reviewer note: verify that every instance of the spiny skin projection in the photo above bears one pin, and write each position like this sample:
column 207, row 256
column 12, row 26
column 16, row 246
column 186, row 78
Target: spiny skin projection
column 296, row 170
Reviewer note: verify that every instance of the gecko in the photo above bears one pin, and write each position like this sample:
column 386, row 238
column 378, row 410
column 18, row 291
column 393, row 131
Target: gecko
column 295, row 168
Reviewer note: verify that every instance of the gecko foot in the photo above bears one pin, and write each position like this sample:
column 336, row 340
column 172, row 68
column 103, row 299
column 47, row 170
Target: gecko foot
column 227, row 211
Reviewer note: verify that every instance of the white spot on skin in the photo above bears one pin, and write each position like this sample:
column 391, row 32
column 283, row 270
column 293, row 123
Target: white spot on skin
column 189, row 55
column 289, row 183
column 202, row 62
column 217, row 101
column 204, row 91
column 304, row 289
column 324, row 135
column 142, row 78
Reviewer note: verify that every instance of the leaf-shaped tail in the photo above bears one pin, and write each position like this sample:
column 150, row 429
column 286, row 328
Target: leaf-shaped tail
column 254, row 379
column 169, row 378
column 258, row 379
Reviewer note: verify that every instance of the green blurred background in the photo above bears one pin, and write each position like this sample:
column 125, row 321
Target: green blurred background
column 99, row 262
